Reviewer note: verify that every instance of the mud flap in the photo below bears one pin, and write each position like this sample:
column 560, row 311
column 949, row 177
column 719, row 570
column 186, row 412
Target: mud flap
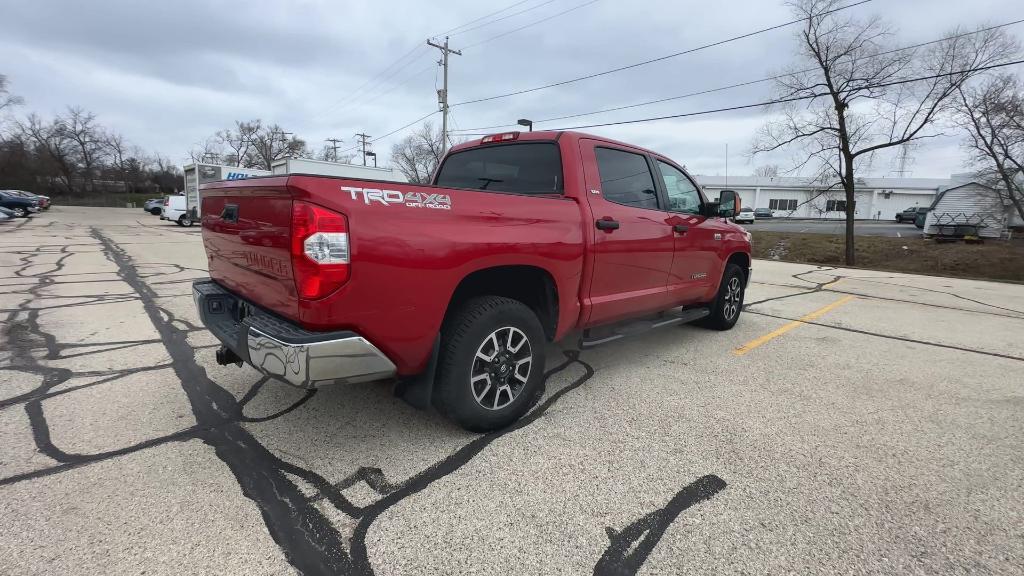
column 418, row 390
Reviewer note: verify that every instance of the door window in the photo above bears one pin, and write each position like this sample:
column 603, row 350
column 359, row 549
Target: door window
column 626, row 178
column 682, row 194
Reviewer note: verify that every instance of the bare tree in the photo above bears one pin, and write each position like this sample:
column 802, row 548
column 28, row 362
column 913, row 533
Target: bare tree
column 81, row 128
column 126, row 160
column 272, row 143
column 852, row 94
column 992, row 114
column 238, row 141
column 418, row 154
column 54, row 147
column 767, row 171
column 8, row 100
column 207, row 151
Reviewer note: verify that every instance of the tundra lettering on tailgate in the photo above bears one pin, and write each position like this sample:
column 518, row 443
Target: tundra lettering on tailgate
column 410, row 199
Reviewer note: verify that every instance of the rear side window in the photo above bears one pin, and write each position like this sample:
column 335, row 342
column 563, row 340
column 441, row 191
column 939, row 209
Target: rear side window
column 534, row 168
column 626, row 178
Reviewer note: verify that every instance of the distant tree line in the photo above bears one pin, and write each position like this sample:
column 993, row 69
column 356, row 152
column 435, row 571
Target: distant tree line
column 255, row 144
column 73, row 154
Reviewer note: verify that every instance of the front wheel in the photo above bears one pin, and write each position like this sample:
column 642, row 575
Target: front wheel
column 20, row 212
column 491, row 369
column 726, row 308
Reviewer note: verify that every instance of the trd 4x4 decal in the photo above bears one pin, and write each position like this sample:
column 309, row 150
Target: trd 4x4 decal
column 392, row 197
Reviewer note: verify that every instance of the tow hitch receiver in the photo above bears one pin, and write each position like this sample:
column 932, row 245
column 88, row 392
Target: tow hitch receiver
column 225, row 356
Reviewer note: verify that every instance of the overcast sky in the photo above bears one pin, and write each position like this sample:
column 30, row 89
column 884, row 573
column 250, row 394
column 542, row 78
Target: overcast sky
column 168, row 74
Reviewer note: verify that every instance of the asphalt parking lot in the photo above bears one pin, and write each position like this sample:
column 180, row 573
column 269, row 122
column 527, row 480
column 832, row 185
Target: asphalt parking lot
column 837, row 227
column 853, row 422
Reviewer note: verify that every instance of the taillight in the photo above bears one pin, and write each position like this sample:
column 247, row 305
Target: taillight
column 320, row 258
column 167, row 201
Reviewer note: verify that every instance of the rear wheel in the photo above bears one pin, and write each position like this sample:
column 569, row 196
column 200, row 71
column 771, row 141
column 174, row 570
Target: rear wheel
column 20, row 212
column 726, row 308
column 491, row 368
column 185, row 221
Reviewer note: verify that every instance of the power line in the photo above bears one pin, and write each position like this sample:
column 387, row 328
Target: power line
column 356, row 93
column 792, row 99
column 542, row 20
column 653, row 60
column 371, row 93
column 741, row 84
column 776, row 101
column 506, row 17
column 509, row 7
column 395, row 131
column 420, row 119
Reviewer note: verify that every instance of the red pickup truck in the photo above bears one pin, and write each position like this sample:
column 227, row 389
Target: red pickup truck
column 456, row 287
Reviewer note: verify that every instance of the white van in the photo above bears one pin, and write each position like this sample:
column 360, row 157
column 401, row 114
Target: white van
column 175, row 210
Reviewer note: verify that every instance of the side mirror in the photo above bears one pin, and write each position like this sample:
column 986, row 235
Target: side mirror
column 728, row 204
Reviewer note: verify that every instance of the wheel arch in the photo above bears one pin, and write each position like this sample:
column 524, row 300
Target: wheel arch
column 532, row 285
column 741, row 259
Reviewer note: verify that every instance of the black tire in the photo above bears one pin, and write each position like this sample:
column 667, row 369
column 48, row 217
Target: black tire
column 20, row 212
column 899, row 220
column 726, row 308
column 155, row 211
column 185, row 221
column 461, row 391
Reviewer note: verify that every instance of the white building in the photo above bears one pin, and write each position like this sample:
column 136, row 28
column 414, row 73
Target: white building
column 794, row 197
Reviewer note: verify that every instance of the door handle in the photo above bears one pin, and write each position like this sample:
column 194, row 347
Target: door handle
column 607, row 224
column 681, row 228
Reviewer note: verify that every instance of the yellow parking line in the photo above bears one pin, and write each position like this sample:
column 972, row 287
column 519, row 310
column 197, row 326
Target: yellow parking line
column 803, row 319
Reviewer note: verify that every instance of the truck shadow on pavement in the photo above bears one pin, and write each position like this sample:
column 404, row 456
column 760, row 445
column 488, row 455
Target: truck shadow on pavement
column 289, row 496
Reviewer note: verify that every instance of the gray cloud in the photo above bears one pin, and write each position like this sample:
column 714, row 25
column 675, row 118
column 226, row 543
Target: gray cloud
column 169, row 74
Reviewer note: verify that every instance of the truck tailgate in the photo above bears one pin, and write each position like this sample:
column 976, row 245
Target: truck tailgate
column 246, row 234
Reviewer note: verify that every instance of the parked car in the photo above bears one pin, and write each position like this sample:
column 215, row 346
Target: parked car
column 746, row 215
column 910, row 214
column 154, row 206
column 458, row 286
column 21, row 206
column 175, row 210
column 44, row 201
column 763, row 213
column 6, row 215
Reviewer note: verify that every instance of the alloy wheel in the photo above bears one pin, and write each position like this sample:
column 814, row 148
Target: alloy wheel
column 733, row 298
column 501, row 368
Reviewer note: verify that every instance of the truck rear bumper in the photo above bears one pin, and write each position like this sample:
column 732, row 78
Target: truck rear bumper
column 283, row 350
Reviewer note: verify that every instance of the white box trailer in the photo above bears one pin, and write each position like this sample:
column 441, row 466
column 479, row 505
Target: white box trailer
column 322, row 168
column 198, row 174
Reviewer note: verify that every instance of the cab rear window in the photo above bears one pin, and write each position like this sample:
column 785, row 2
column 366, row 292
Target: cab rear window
column 528, row 168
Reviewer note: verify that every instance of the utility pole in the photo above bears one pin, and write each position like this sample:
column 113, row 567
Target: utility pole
column 334, row 146
column 442, row 94
column 363, row 142
column 284, row 143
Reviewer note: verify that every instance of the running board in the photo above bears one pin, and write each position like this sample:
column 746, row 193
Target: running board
column 617, row 331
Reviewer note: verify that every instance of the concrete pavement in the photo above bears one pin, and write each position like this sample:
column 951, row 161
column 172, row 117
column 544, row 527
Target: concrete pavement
column 852, row 422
